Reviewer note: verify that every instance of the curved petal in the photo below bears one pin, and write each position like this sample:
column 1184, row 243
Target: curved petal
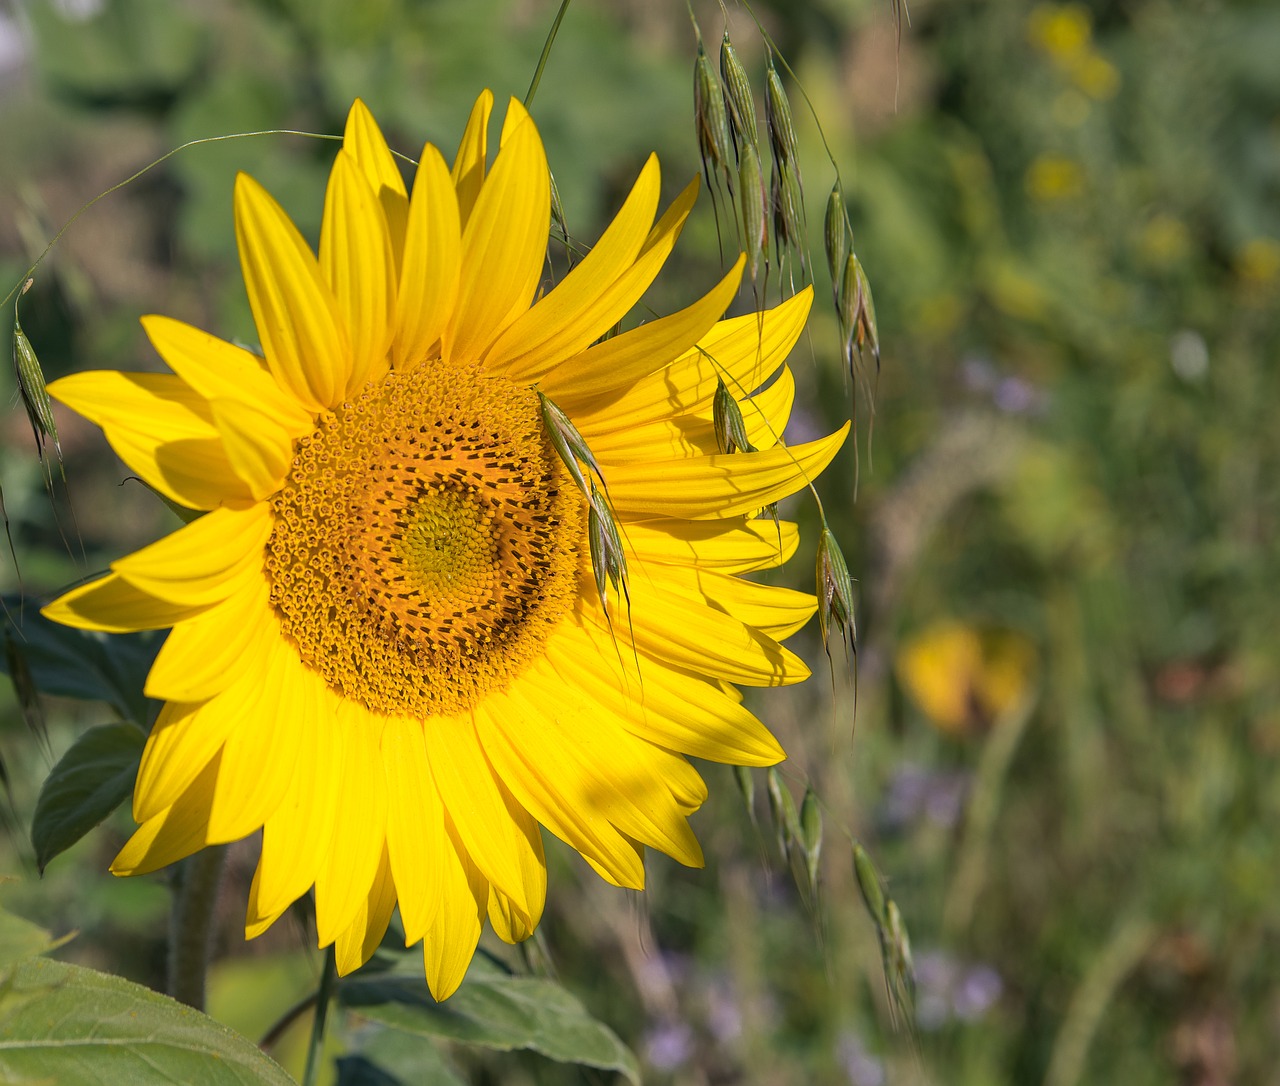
column 357, row 262
column 216, row 369
column 111, row 604
column 359, row 828
column 473, row 153
column 363, row 141
column 508, row 725
column 356, row 945
column 504, row 242
column 175, row 833
column 450, row 944
column 204, row 562
column 719, row 485
column 415, row 826
column 204, row 655
column 429, row 271
column 163, row 429
column 775, row 611
column 297, row 834
column 675, row 709
column 593, row 296
column 297, row 318
column 741, row 547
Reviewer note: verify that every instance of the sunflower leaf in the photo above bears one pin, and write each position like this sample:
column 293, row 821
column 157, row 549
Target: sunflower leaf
column 66, row 1023
column 498, row 1012
column 89, row 782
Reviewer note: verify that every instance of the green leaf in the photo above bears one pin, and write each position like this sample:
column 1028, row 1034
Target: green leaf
column 83, row 663
column 20, row 939
column 89, row 782
column 390, row 1057
column 496, row 1012
column 77, row 1027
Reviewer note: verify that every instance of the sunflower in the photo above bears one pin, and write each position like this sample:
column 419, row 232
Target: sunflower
column 389, row 650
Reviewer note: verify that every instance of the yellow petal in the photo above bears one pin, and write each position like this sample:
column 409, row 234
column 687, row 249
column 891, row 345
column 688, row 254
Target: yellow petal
column 162, row 429
column 356, row 945
column 183, row 741
column 703, row 639
column 730, row 546
column 356, row 261
column 204, row 562
column 473, row 153
column 774, row 611
column 259, row 755
column 582, row 746
column 203, row 655
column 471, row 796
column 742, row 351
column 216, row 369
column 451, row 943
column 360, row 826
column 297, row 834
column 297, row 318
column 364, row 142
column 719, row 485
column 429, row 271
column 112, row 605
column 259, row 448
column 415, row 825
column 511, row 726
column 675, row 709
column 588, row 301
column 173, row 834
column 504, row 243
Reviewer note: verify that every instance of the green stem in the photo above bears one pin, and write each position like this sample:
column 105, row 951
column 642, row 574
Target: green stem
column 191, row 924
column 327, row 979
column 546, row 52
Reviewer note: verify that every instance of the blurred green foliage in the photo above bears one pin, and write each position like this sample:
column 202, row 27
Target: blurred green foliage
column 1070, row 217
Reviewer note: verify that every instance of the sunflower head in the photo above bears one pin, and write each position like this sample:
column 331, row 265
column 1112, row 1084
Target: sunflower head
column 390, row 649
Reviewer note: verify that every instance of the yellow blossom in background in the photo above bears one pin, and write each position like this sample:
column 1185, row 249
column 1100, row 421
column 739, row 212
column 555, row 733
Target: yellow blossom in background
column 1063, row 31
column 963, row 678
column 1258, row 261
column 389, row 651
column 1054, row 179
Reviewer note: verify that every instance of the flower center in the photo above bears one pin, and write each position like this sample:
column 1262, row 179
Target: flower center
column 425, row 543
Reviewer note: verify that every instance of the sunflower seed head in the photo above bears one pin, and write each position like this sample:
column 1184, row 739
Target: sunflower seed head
column 835, row 591
column 715, row 143
column 777, row 117
column 569, row 444
column 755, row 235
column 731, row 430
column 835, row 236
column 737, row 87
column 31, row 387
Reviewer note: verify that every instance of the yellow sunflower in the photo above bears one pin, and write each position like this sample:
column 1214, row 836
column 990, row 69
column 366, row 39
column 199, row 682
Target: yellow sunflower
column 388, row 651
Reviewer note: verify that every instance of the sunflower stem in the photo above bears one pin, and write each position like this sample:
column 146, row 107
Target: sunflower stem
column 323, row 995
column 195, row 896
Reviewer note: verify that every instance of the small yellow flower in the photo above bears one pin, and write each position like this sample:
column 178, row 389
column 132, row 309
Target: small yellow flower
column 963, row 678
column 388, row 651
column 1054, row 179
column 1063, row 31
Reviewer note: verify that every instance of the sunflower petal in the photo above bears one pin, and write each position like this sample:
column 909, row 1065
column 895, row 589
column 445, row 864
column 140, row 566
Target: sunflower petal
column 295, row 312
column 721, row 484
column 356, row 945
column 429, row 270
column 504, row 242
column 415, row 825
column 473, row 153
column 357, row 262
column 450, row 944
column 111, row 604
column 204, row 562
column 364, row 142
column 175, row 833
column 723, row 545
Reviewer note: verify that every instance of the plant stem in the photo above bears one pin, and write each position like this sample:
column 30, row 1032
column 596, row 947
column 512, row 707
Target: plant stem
column 191, row 924
column 327, row 979
column 546, row 52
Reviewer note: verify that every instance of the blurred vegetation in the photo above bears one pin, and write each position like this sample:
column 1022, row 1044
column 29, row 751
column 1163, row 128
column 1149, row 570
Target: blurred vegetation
column 1064, row 760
